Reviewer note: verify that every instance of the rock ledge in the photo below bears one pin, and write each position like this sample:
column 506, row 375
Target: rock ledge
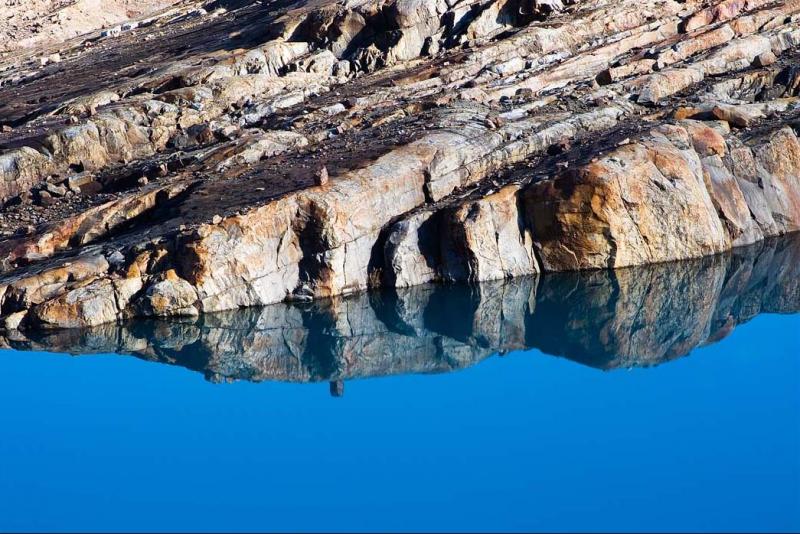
column 227, row 154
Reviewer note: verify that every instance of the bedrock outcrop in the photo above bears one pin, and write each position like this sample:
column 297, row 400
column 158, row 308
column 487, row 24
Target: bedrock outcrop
column 228, row 154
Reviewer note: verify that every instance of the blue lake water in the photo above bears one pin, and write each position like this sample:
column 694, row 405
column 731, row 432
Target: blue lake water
column 660, row 398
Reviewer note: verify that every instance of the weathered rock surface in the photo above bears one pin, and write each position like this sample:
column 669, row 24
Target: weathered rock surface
column 32, row 23
column 227, row 154
column 640, row 316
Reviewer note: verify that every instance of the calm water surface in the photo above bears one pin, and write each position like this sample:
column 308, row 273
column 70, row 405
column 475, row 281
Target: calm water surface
column 661, row 398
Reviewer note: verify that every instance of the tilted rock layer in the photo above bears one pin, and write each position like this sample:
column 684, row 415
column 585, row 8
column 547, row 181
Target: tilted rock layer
column 229, row 154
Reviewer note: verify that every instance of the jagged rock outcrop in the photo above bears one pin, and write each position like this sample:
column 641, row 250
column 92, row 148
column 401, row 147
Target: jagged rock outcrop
column 227, row 154
column 639, row 316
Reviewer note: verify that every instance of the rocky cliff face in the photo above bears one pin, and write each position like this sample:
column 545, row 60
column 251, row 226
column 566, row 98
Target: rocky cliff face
column 228, row 153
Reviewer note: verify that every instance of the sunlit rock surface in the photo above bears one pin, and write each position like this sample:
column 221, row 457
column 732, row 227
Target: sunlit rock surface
column 640, row 316
column 207, row 156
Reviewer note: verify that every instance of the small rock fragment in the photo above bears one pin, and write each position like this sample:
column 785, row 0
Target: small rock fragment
column 116, row 258
column 229, row 132
column 56, row 190
column 765, row 60
column 563, row 145
column 78, row 181
column 321, row 176
column 739, row 116
column 45, row 198
column 13, row 320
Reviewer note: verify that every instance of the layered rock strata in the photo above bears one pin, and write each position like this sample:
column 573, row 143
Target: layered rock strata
column 609, row 319
column 230, row 154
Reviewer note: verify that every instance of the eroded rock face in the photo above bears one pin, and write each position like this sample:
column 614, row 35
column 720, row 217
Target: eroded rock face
column 670, row 195
column 466, row 140
column 639, row 316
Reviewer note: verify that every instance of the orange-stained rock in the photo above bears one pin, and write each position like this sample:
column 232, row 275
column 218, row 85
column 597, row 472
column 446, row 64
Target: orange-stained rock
column 643, row 203
column 706, row 140
column 89, row 305
column 779, row 161
column 721, row 11
column 730, row 202
column 169, row 296
column 687, row 112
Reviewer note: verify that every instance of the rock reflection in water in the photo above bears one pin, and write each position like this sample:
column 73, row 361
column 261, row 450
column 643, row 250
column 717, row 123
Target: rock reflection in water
column 633, row 317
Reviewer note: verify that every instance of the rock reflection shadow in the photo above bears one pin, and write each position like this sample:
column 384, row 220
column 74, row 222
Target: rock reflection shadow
column 606, row 319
